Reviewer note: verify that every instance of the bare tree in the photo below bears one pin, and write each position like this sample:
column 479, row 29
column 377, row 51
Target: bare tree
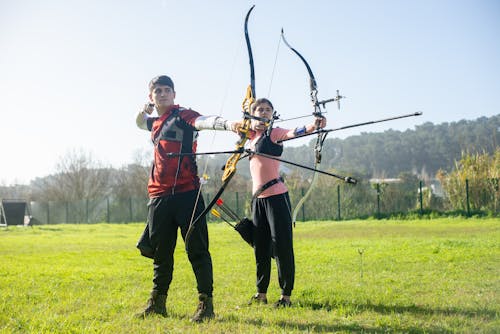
column 131, row 181
column 78, row 176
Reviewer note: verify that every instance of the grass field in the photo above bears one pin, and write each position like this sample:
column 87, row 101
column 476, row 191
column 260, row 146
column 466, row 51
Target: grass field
column 420, row 276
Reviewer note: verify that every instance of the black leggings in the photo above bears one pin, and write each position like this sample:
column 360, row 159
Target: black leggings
column 165, row 216
column 273, row 237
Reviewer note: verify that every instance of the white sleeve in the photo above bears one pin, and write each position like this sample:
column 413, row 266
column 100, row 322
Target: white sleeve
column 141, row 120
column 212, row 123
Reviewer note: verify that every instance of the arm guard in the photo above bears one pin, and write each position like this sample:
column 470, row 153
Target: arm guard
column 212, row 123
column 299, row 131
column 141, row 120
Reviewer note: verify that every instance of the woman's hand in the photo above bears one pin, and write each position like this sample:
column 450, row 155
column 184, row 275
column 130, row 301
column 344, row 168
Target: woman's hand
column 320, row 122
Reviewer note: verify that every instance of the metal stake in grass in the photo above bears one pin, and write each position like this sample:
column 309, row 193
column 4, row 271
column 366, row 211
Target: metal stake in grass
column 360, row 252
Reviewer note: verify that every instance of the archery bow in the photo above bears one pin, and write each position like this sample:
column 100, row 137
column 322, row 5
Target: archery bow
column 244, row 132
column 316, row 113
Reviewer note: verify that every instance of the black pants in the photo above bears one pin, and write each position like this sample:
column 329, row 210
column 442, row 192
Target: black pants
column 273, row 236
column 165, row 216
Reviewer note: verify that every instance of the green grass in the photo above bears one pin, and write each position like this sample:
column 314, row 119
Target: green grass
column 420, row 276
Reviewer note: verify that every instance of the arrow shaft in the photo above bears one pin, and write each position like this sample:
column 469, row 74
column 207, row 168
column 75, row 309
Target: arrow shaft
column 353, row 126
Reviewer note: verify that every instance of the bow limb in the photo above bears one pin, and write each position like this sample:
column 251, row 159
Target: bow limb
column 313, row 86
column 244, row 131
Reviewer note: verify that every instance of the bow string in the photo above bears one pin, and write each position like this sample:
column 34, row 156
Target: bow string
column 317, row 112
column 244, row 132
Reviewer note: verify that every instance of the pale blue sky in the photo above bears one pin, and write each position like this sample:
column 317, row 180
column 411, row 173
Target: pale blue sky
column 74, row 73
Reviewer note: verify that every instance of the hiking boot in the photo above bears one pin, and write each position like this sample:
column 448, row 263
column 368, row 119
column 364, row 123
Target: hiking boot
column 205, row 309
column 256, row 299
column 156, row 305
column 282, row 303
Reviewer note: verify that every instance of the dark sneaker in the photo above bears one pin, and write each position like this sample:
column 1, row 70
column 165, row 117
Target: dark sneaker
column 282, row 303
column 156, row 305
column 205, row 309
column 257, row 300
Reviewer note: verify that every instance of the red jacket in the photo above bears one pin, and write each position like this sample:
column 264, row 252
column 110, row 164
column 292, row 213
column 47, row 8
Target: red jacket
column 173, row 132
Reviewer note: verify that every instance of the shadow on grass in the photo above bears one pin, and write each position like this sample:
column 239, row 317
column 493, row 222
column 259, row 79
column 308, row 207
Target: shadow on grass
column 391, row 309
column 50, row 228
column 332, row 327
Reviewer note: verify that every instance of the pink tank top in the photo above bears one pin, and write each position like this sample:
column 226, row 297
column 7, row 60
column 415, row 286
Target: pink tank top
column 264, row 169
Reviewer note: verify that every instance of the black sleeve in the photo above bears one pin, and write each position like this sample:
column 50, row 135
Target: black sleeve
column 149, row 122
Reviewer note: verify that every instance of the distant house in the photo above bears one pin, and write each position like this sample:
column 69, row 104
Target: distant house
column 385, row 181
column 434, row 185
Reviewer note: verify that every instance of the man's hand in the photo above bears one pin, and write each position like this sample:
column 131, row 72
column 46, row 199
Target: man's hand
column 148, row 108
column 235, row 125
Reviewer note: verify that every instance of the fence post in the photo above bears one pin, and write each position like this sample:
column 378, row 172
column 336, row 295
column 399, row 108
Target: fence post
column 107, row 209
column 87, row 210
column 467, row 196
column 207, row 198
column 338, row 201
column 303, row 206
column 48, row 212
column 67, row 211
column 421, row 198
column 130, row 209
column 237, row 204
column 378, row 200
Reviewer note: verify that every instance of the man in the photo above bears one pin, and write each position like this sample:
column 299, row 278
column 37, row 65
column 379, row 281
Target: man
column 173, row 189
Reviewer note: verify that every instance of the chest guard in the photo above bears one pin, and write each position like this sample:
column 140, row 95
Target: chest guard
column 175, row 129
column 266, row 146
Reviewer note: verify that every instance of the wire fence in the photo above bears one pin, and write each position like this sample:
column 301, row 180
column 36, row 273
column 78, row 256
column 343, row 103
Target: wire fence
column 335, row 202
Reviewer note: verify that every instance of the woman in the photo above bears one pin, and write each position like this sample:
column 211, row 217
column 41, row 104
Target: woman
column 271, row 208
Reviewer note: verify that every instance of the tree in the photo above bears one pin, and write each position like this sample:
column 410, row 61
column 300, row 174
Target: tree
column 131, row 180
column 78, row 176
column 482, row 173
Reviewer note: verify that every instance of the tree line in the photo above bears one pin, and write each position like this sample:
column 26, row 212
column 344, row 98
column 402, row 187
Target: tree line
column 427, row 152
column 422, row 151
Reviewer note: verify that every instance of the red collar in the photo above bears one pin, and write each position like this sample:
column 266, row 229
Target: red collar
column 168, row 112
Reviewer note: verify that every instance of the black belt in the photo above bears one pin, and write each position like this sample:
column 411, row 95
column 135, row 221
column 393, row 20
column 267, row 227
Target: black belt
column 267, row 185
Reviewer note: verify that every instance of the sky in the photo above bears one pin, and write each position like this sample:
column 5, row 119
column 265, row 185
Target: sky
column 74, row 73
